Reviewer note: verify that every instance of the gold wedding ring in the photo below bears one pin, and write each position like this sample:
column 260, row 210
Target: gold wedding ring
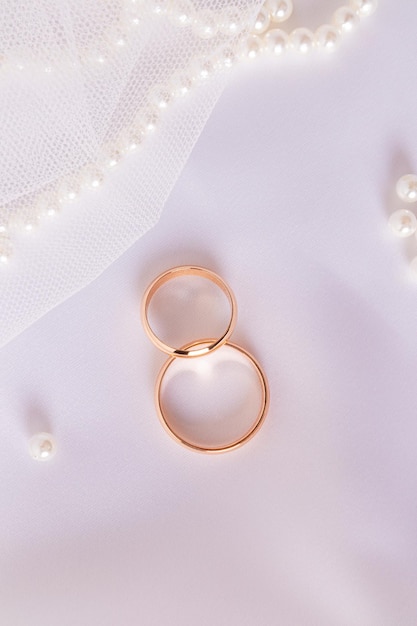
column 188, row 270
column 263, row 409
column 199, row 349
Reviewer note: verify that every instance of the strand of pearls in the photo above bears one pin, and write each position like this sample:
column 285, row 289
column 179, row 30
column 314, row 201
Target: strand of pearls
column 131, row 20
column 264, row 38
column 205, row 24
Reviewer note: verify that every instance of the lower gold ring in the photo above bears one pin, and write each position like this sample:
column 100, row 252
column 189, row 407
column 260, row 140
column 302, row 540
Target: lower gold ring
column 264, row 405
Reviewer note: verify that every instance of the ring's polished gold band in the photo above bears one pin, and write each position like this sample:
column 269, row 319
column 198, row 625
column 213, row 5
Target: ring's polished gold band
column 234, row 444
column 191, row 350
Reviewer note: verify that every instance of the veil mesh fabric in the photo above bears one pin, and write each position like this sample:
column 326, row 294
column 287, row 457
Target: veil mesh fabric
column 57, row 110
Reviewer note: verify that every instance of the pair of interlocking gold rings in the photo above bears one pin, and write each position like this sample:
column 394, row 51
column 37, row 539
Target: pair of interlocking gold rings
column 199, row 349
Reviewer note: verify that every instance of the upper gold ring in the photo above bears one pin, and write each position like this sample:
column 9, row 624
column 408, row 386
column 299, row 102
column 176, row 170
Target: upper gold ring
column 188, row 270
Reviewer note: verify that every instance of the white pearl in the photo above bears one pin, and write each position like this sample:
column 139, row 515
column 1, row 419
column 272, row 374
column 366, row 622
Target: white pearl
column 227, row 57
column 68, row 191
column 133, row 139
column 181, row 84
column 407, row 188
column 16, row 222
column 151, row 120
column 18, row 63
column 147, row 120
column 231, row 22
column 160, row 7
column 118, row 38
column 160, row 96
column 280, row 10
column 276, row 41
column 91, row 177
column 181, row 12
column 262, row 22
column 42, row 447
column 251, row 47
column 364, row 7
column 6, row 249
column 131, row 18
column 111, row 156
column 205, row 25
column 202, row 69
column 97, row 57
column 302, row 40
column 327, row 37
column 403, row 223
column 47, row 205
column 345, row 19
column 31, row 223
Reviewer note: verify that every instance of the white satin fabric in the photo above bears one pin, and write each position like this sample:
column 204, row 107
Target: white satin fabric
column 313, row 523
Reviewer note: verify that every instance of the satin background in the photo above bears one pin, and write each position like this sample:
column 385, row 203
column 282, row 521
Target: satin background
column 313, row 523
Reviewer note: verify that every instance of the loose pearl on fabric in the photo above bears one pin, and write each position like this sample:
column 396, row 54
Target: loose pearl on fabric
column 302, row 40
column 280, row 10
column 407, row 188
column 327, row 37
column 364, row 7
column 345, row 19
column 403, row 223
column 262, row 22
column 42, row 447
column 276, row 41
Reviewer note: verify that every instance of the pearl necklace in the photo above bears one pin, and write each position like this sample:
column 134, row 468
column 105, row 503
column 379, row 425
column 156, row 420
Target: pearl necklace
column 264, row 38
